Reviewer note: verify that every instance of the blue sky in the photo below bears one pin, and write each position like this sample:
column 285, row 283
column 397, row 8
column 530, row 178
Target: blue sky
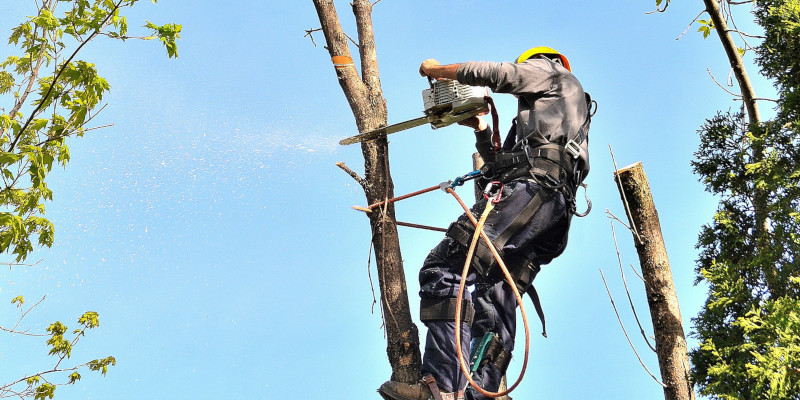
column 212, row 232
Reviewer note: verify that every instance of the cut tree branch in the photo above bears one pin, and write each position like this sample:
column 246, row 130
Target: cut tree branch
column 352, row 173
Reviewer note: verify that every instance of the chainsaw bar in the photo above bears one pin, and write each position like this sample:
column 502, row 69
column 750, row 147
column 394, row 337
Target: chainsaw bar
column 438, row 119
column 377, row 133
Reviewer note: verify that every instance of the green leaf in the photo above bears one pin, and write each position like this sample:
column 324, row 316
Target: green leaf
column 6, row 82
column 74, row 377
column 19, row 300
column 9, row 158
column 89, row 319
column 45, row 390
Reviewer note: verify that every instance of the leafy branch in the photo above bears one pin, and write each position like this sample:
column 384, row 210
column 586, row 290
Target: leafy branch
column 37, row 385
column 64, row 103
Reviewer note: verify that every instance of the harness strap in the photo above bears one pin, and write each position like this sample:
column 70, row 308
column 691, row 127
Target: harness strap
column 445, row 309
column 434, row 388
column 522, row 218
column 483, row 258
column 523, row 278
column 495, row 124
column 537, row 304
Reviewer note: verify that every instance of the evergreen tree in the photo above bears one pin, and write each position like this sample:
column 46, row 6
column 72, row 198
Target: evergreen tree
column 749, row 328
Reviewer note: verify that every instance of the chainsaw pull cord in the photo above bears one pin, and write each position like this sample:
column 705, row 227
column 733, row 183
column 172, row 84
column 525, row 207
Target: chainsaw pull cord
column 479, row 232
column 495, row 124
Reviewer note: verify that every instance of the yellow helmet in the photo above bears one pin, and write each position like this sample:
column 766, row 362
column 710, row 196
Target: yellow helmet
column 543, row 50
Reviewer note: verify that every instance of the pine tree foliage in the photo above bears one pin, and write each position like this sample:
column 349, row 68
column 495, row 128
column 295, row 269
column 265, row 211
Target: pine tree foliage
column 749, row 328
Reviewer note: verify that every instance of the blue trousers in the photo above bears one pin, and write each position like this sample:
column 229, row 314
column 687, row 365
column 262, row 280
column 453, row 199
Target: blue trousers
column 540, row 240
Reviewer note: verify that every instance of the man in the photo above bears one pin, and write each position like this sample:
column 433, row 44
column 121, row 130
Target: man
column 541, row 163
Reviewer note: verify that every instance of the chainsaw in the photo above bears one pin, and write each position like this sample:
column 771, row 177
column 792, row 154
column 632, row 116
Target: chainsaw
column 446, row 102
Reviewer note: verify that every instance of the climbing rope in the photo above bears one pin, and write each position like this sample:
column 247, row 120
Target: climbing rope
column 480, row 233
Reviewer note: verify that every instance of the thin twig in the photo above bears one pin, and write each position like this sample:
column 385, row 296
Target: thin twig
column 727, row 7
column 637, row 273
column 351, row 40
column 66, row 135
column 690, row 25
column 627, row 291
column 750, row 35
column 21, row 264
column 738, row 96
column 371, row 284
column 22, row 316
column 624, row 198
column 626, row 332
column 310, row 35
column 614, row 217
column 40, row 374
column 660, row 10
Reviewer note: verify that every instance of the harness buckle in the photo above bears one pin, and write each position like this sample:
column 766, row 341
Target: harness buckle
column 493, row 192
column 573, row 148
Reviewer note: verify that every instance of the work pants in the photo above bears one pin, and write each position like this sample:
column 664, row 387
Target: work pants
column 543, row 238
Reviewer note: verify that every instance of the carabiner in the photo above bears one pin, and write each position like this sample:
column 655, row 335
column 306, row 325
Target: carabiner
column 494, row 190
column 461, row 179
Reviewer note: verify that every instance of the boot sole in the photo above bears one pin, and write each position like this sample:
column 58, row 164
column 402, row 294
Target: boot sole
column 392, row 396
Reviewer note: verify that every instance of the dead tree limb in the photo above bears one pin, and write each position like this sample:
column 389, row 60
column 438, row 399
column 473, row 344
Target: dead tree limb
column 624, row 331
column 366, row 101
column 665, row 313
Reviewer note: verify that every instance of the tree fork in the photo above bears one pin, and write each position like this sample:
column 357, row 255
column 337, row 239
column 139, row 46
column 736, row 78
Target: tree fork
column 662, row 299
column 369, row 109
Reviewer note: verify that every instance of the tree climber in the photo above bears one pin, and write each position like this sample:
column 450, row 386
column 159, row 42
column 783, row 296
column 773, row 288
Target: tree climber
column 542, row 162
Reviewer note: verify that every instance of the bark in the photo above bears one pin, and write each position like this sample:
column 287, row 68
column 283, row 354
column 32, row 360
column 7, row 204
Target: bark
column 662, row 299
column 369, row 109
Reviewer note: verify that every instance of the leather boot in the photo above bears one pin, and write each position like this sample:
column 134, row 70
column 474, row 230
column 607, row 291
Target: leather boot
column 391, row 390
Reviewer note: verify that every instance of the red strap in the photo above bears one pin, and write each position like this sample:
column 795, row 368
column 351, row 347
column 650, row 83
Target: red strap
column 495, row 124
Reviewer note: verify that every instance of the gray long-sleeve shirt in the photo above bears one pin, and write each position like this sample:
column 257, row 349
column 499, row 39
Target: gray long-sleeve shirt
column 552, row 105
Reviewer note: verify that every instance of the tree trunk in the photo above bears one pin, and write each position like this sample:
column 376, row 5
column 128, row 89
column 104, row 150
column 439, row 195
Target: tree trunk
column 759, row 196
column 671, row 346
column 369, row 109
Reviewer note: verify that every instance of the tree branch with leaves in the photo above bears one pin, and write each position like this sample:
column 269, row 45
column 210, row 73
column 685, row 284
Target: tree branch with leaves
column 47, row 95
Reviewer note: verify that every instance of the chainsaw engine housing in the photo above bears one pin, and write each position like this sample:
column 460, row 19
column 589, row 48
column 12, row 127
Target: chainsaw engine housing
column 448, row 102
